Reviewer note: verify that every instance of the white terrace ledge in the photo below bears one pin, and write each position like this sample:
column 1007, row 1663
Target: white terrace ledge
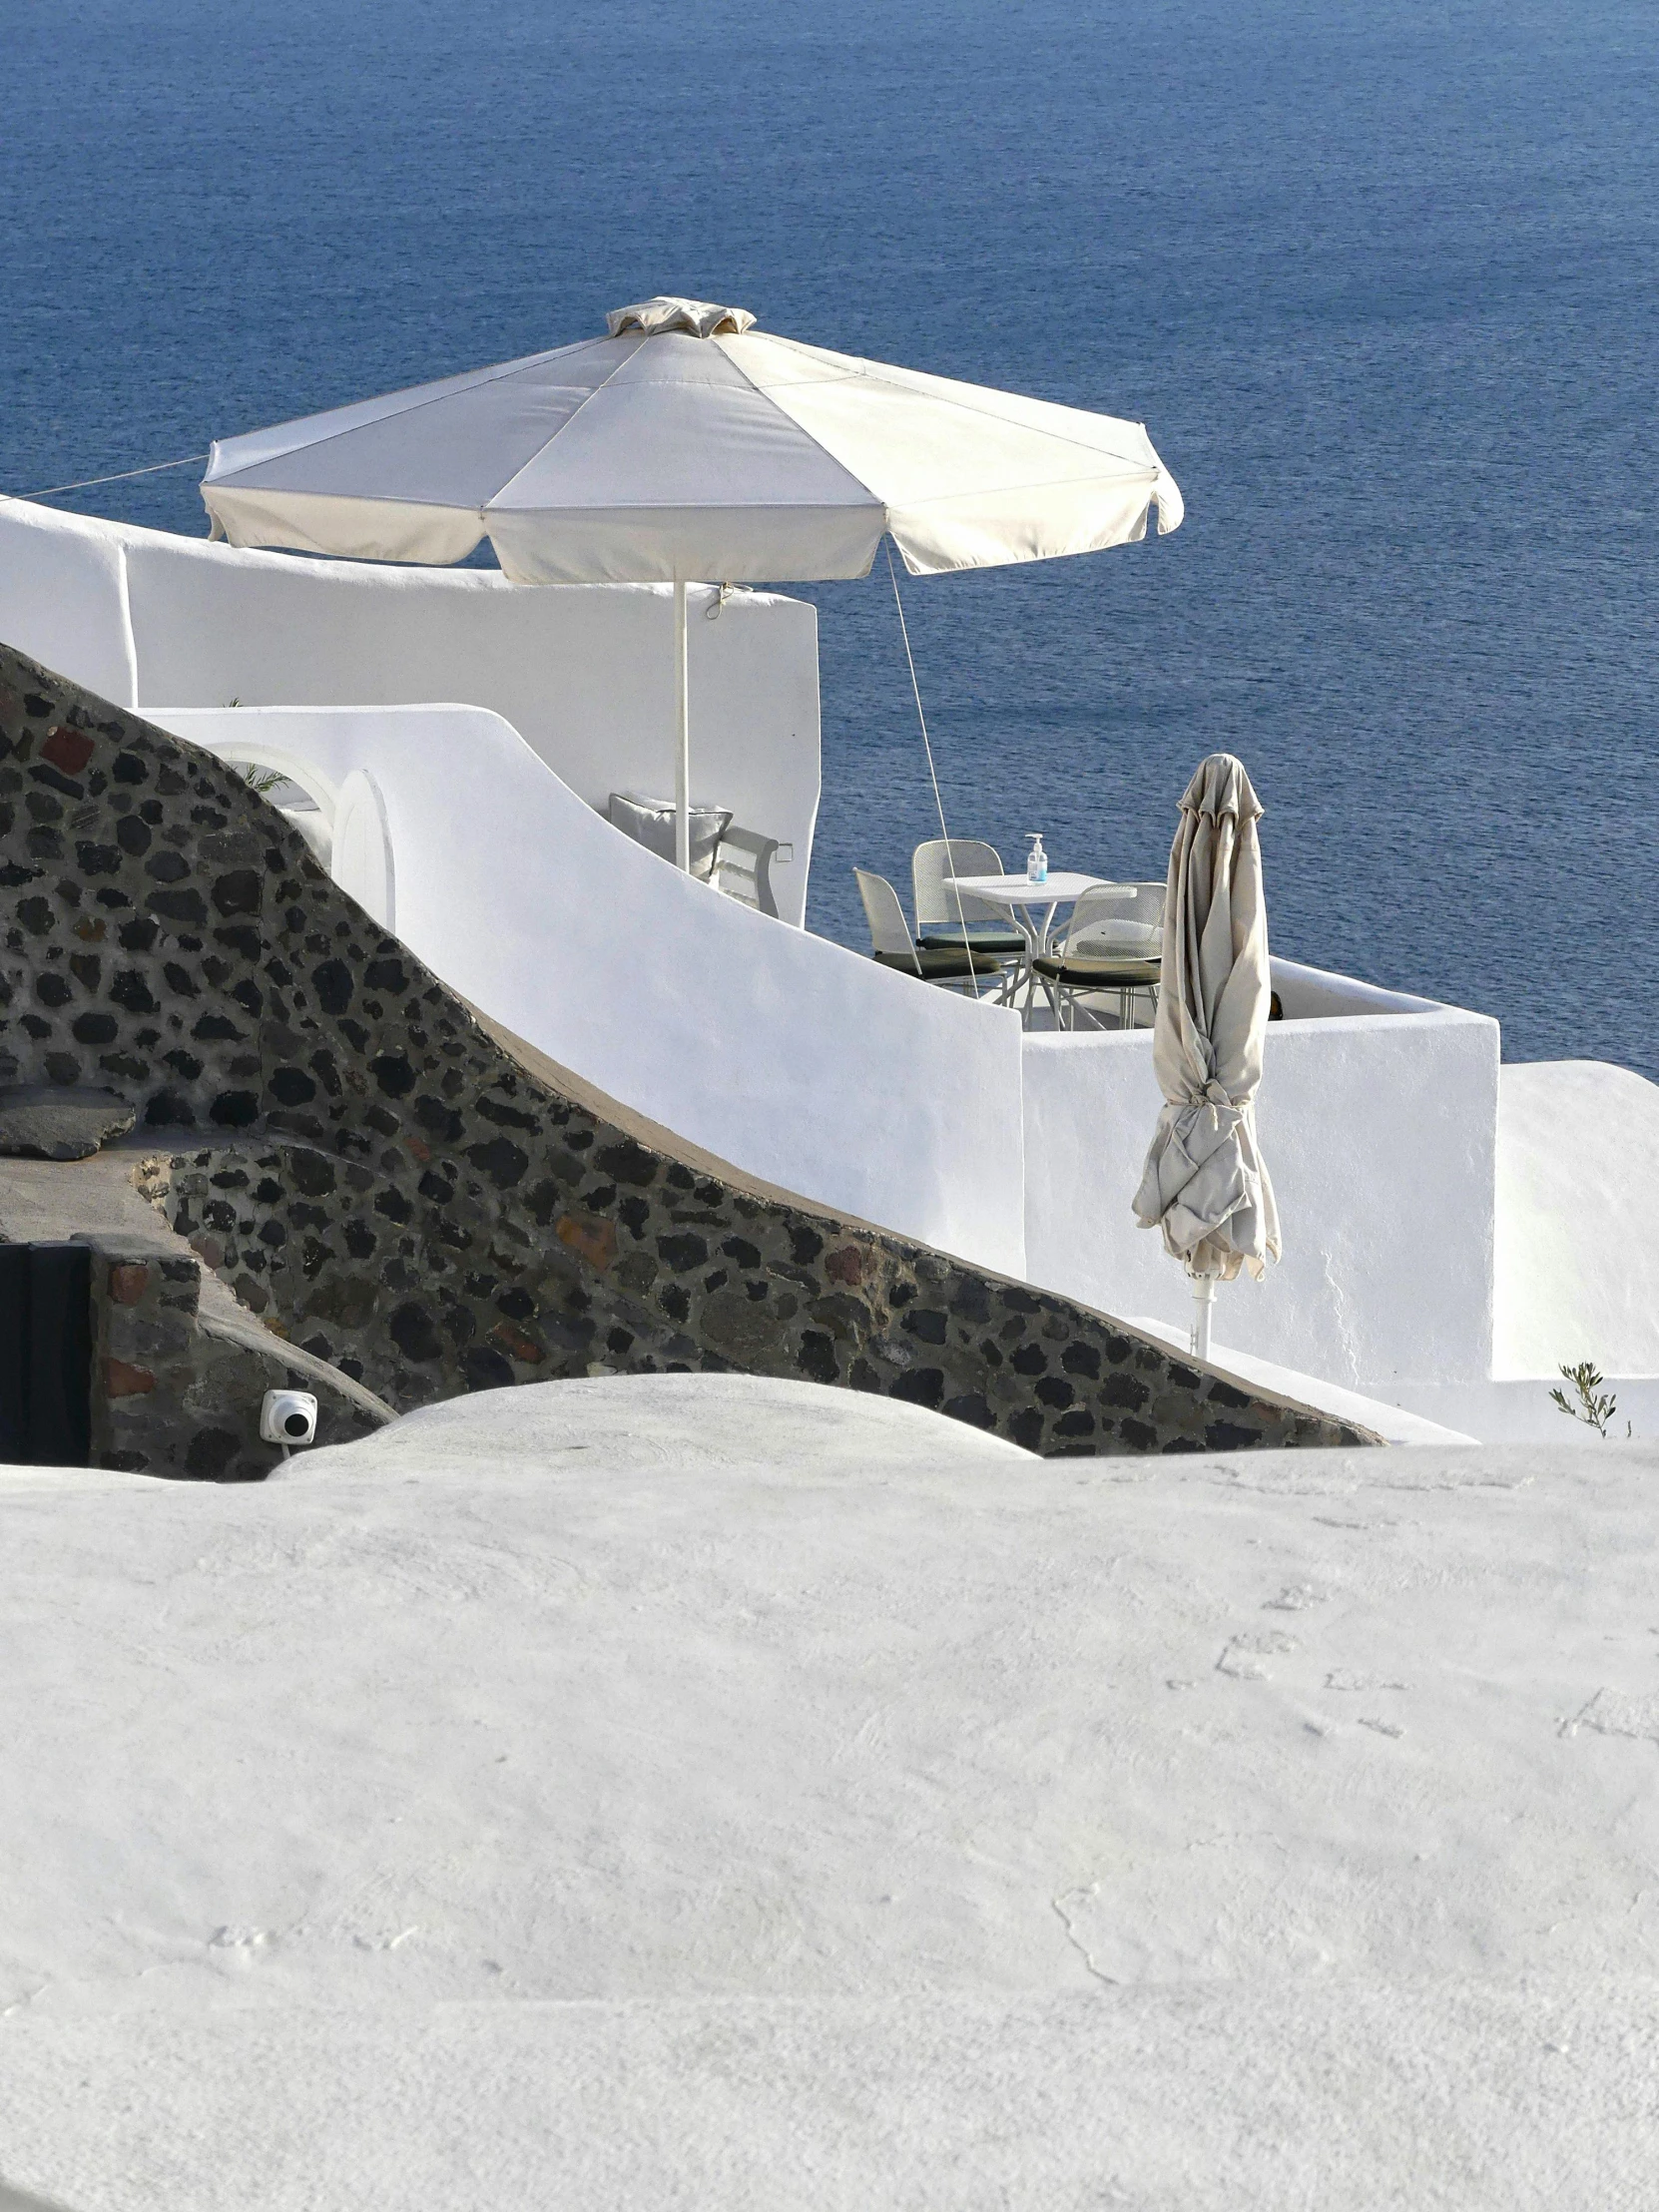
column 1319, row 994
column 801, row 1062
column 1381, row 1135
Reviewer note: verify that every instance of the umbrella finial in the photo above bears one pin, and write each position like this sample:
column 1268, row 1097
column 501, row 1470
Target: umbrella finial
column 701, row 318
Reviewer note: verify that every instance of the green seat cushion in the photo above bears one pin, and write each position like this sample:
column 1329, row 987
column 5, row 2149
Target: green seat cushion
column 937, row 961
column 982, row 936
column 1089, row 972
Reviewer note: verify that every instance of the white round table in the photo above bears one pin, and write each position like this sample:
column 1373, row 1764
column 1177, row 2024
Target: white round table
column 1023, row 898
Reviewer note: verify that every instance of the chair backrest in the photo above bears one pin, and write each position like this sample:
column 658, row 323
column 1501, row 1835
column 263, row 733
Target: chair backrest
column 937, row 904
column 888, row 930
column 742, row 868
column 1106, row 923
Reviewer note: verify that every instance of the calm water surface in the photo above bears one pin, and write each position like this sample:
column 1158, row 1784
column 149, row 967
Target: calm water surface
column 1381, row 281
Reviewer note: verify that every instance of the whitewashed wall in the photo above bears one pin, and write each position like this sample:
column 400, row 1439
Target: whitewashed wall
column 800, row 1062
column 585, row 676
column 1379, row 1132
column 796, row 1061
column 1577, row 1259
column 1519, row 1410
column 808, row 1066
column 63, row 598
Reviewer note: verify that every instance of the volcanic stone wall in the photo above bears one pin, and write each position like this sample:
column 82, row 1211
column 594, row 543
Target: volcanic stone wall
column 395, row 1193
column 175, row 1392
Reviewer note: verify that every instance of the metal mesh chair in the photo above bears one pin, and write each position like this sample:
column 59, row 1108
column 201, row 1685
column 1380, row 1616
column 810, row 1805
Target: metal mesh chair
column 893, row 945
column 1111, row 944
column 946, row 916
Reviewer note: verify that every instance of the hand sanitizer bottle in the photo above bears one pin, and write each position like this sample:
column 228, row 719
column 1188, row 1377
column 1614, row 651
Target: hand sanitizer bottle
column 1036, row 866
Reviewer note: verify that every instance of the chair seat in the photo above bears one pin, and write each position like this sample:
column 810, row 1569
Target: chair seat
column 1086, row 971
column 939, row 961
column 982, row 936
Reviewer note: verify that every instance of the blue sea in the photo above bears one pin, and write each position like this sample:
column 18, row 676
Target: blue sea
column 1381, row 281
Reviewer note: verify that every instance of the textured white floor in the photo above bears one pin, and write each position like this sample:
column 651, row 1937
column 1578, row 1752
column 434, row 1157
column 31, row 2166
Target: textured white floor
column 701, row 1792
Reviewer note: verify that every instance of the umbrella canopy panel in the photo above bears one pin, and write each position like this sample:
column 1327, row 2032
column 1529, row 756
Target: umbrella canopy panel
column 687, row 444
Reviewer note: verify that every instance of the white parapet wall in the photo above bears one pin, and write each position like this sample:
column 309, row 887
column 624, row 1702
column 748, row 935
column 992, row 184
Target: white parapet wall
column 1577, row 1261
column 798, row 1062
column 1377, row 1117
column 809, row 1067
column 1523, row 1411
column 63, row 597
column 585, row 675
column 803, row 1064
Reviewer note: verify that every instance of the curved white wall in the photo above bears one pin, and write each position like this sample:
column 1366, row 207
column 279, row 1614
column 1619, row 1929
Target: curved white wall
column 63, row 598
column 812, row 1068
column 1577, row 1261
column 584, row 674
column 800, row 1062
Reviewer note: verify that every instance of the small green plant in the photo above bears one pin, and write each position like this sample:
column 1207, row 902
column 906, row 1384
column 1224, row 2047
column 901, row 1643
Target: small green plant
column 1590, row 1403
column 264, row 780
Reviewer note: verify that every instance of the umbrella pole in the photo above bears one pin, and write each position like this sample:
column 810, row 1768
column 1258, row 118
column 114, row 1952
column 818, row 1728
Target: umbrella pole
column 1204, row 1301
column 681, row 735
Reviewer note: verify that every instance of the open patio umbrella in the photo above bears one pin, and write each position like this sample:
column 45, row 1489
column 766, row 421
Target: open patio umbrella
column 687, row 446
column 1206, row 1185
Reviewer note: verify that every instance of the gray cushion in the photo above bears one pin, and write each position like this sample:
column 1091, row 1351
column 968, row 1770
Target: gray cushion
column 1100, row 974
column 650, row 822
column 937, row 961
column 983, row 937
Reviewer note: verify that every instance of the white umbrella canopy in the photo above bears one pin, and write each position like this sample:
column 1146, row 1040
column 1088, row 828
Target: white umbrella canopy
column 1206, row 1185
column 687, row 444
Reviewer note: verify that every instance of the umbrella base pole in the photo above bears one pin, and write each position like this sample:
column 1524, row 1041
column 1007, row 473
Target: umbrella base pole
column 1203, row 1305
column 682, row 737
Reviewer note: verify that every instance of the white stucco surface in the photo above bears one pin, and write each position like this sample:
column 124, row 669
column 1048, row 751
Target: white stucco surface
column 796, row 1061
column 585, row 675
column 1577, row 1257
column 1519, row 1410
column 1379, row 1129
column 63, row 597
column 691, row 1792
column 1425, row 1244
column 803, row 1065
column 1397, row 1423
column 809, row 1067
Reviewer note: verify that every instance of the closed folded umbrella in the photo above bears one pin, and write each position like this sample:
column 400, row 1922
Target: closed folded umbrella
column 1206, row 1185
column 687, row 444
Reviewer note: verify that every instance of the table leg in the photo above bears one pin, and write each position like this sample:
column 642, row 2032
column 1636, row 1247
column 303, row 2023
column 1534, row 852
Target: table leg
column 1034, row 938
column 1037, row 936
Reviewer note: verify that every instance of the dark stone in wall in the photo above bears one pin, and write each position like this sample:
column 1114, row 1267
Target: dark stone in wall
column 375, row 1174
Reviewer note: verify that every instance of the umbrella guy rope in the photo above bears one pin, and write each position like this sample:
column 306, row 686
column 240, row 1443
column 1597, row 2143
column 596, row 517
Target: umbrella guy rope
column 928, row 742
column 121, row 476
